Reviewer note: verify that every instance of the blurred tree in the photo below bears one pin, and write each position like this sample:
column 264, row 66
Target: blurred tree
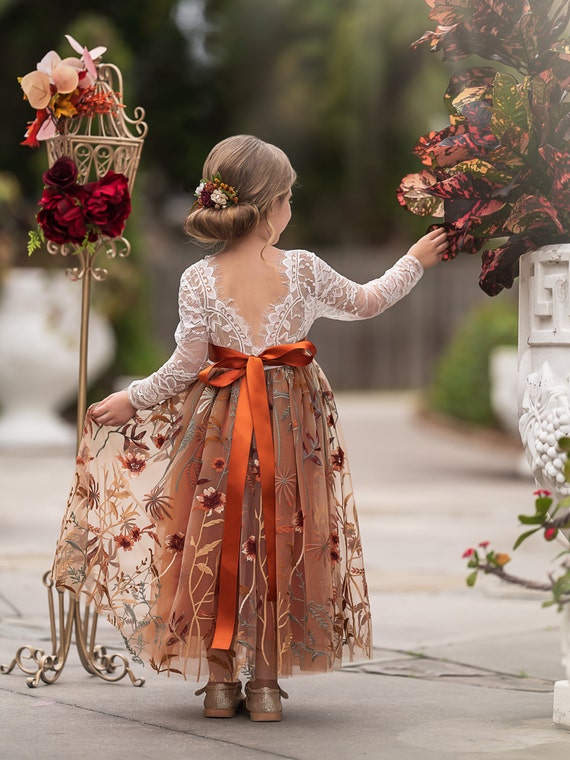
column 335, row 84
column 331, row 81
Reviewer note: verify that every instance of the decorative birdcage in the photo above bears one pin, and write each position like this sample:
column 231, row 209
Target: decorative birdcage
column 101, row 140
column 98, row 143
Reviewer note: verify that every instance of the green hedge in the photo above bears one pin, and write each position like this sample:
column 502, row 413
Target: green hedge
column 460, row 387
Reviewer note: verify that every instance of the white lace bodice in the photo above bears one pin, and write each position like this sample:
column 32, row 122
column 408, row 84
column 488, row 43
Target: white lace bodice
column 314, row 290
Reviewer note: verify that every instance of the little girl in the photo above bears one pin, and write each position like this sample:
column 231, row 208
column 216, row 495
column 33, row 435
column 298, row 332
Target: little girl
column 211, row 515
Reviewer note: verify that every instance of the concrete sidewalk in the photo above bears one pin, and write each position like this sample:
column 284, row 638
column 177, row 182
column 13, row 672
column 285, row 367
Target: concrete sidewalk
column 458, row 673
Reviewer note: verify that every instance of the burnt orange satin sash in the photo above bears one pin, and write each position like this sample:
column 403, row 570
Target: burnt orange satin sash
column 252, row 417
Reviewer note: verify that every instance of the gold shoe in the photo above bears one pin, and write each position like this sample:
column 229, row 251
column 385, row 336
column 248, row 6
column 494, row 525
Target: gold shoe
column 222, row 699
column 264, row 704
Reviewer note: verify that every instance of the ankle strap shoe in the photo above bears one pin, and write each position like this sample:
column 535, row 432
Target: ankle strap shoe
column 222, row 699
column 264, row 704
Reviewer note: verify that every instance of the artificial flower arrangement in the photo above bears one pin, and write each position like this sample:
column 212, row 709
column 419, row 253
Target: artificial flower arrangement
column 71, row 212
column 80, row 214
column 549, row 519
column 213, row 193
column 60, row 89
column 499, row 173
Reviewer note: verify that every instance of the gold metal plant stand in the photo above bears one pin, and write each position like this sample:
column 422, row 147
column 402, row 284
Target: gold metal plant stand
column 97, row 144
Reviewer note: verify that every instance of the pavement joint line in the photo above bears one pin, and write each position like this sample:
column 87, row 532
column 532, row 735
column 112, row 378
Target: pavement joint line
column 411, row 656
column 254, row 750
column 8, row 603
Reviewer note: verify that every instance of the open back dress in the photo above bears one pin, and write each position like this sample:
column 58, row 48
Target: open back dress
column 143, row 534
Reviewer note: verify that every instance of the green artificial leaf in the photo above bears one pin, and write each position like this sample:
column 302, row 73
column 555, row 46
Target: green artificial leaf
column 476, row 82
column 481, row 168
column 523, row 537
column 508, row 99
column 35, row 240
column 564, row 443
column 531, row 519
column 471, row 578
column 468, row 95
column 542, row 503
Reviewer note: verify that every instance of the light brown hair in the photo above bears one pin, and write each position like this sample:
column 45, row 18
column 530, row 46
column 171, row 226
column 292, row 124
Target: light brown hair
column 260, row 172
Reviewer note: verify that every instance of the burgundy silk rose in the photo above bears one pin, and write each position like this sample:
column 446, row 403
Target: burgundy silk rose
column 62, row 174
column 108, row 204
column 61, row 218
column 79, row 214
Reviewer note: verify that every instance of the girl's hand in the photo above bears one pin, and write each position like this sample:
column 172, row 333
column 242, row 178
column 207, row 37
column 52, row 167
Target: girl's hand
column 430, row 248
column 116, row 409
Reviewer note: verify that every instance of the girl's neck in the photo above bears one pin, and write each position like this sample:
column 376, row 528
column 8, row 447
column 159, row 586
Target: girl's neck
column 253, row 245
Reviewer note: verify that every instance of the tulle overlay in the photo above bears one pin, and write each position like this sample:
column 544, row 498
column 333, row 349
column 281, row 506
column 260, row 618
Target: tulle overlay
column 141, row 537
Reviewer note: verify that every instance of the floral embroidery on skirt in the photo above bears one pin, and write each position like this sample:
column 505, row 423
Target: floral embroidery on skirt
column 141, row 537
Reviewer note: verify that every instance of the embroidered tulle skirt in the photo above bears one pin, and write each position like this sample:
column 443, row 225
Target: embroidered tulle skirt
column 141, row 537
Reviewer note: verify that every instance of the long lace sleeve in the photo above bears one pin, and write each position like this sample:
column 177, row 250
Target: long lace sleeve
column 340, row 298
column 188, row 358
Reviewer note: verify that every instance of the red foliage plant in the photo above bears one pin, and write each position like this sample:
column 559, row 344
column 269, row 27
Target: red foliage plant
column 500, row 172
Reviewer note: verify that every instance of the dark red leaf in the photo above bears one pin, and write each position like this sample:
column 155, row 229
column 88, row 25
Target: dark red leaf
column 500, row 265
column 462, row 185
column 558, row 163
column 533, row 212
column 478, row 114
column 469, row 214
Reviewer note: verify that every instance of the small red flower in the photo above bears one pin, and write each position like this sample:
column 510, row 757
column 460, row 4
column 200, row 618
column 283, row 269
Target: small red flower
column 249, row 549
column 543, row 492
column 159, row 440
column 135, row 534
column 337, row 459
column 298, row 521
column 212, row 500
column 175, row 542
column 550, row 533
column 125, row 542
column 334, row 546
column 484, row 544
column 468, row 553
column 134, row 462
column 218, row 464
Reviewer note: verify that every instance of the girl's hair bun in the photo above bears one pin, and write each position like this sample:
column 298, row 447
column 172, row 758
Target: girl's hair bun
column 211, row 225
column 259, row 172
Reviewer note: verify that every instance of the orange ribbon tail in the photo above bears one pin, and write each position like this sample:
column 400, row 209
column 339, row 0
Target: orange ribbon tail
column 252, row 418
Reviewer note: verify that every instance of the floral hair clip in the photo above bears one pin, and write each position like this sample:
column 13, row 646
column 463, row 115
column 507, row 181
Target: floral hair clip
column 213, row 193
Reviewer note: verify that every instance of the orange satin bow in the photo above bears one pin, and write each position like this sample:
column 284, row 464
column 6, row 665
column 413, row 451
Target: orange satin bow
column 252, row 417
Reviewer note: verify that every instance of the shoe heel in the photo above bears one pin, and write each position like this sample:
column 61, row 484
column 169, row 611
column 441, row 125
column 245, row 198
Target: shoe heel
column 264, row 704
column 213, row 712
column 222, row 700
column 265, row 716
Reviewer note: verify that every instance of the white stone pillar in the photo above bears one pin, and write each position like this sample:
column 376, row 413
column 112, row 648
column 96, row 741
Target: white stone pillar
column 544, row 392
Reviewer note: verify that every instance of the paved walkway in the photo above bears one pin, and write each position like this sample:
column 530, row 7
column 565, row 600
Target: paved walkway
column 458, row 673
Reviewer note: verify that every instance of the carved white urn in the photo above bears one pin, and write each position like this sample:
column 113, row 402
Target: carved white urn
column 40, row 312
column 544, row 393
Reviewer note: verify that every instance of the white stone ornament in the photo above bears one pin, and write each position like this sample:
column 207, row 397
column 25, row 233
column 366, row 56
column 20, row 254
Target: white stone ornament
column 544, row 394
column 546, row 419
